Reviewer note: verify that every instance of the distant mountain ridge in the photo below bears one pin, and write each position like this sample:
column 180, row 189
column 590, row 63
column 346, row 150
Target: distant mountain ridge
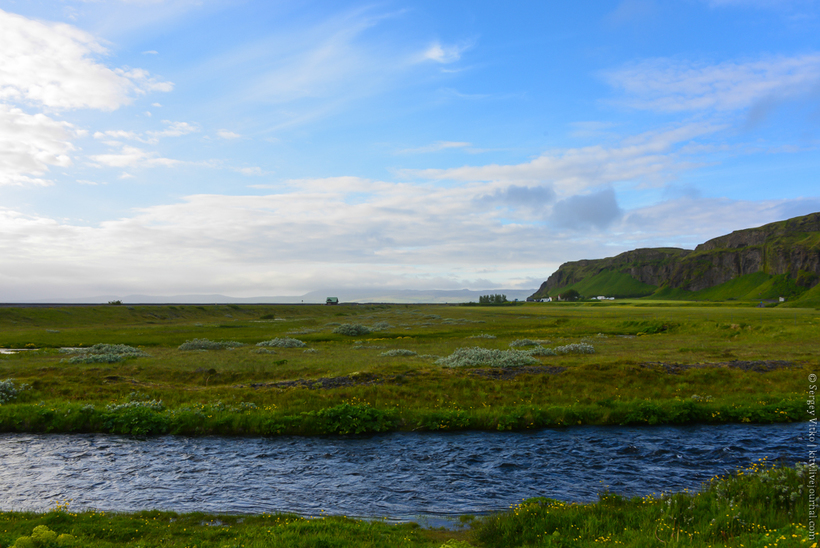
column 777, row 259
column 401, row 296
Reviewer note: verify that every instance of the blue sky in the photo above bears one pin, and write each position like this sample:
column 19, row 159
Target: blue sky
column 254, row 148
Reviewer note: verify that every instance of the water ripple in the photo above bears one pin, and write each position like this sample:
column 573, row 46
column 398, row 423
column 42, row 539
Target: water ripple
column 400, row 475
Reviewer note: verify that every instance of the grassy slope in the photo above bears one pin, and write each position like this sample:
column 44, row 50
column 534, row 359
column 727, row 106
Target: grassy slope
column 809, row 299
column 611, row 284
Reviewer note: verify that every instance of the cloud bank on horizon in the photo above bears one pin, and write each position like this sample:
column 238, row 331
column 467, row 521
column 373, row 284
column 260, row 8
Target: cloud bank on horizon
column 174, row 147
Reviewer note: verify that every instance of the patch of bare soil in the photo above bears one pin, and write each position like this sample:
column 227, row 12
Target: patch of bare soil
column 326, row 383
column 505, row 373
column 759, row 366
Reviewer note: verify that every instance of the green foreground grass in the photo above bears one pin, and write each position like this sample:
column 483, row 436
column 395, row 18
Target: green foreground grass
column 653, row 363
column 758, row 507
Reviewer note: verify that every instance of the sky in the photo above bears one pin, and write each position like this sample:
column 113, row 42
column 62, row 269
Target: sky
column 261, row 148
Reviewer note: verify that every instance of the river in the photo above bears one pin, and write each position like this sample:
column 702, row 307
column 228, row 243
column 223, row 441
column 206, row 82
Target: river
column 399, row 475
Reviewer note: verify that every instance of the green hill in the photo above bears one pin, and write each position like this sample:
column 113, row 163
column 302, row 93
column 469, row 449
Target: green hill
column 780, row 259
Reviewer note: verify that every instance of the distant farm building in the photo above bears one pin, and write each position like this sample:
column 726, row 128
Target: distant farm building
column 332, row 300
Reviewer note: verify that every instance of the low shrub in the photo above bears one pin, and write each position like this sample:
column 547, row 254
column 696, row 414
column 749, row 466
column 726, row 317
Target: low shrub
column 482, row 336
column 476, row 356
column 352, row 329
column 540, row 351
column 206, row 344
column 43, row 537
column 523, row 342
column 380, row 326
column 9, row 392
column 349, row 418
column 398, row 352
column 575, row 348
column 104, row 353
column 283, row 342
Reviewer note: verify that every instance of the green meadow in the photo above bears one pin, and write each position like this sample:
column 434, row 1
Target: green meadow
column 420, row 367
column 200, row 370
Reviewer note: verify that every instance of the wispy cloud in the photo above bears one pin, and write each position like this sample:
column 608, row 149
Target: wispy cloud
column 445, row 54
column 438, row 146
column 225, row 134
column 129, row 156
column 670, row 85
column 649, row 158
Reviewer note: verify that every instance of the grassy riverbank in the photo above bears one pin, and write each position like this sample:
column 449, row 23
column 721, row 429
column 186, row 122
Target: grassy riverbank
column 603, row 363
column 757, row 507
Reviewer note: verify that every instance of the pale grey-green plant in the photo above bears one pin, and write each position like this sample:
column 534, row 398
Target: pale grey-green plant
column 352, row 329
column 540, row 351
column 396, row 352
column 206, row 344
column 575, row 348
column 103, row 353
column 283, row 342
column 9, row 391
column 476, row 356
column 523, row 342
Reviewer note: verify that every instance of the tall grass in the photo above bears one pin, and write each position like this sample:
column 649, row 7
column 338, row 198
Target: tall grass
column 758, row 506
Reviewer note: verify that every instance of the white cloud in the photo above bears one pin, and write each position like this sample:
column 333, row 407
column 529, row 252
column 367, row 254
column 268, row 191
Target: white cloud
column 29, row 144
column 117, row 134
column 357, row 232
column 670, row 85
column 649, row 158
column 445, row 54
column 150, row 52
column 435, row 147
column 130, row 156
column 249, row 171
column 225, row 134
column 51, row 64
column 174, row 129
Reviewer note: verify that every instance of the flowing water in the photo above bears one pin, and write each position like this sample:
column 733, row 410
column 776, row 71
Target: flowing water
column 400, row 475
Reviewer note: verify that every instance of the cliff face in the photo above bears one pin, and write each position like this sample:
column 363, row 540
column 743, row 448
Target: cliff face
column 650, row 266
column 787, row 247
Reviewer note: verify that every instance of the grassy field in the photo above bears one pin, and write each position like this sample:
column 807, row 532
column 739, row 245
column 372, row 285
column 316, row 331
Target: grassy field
column 759, row 507
column 653, row 362
column 650, row 362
